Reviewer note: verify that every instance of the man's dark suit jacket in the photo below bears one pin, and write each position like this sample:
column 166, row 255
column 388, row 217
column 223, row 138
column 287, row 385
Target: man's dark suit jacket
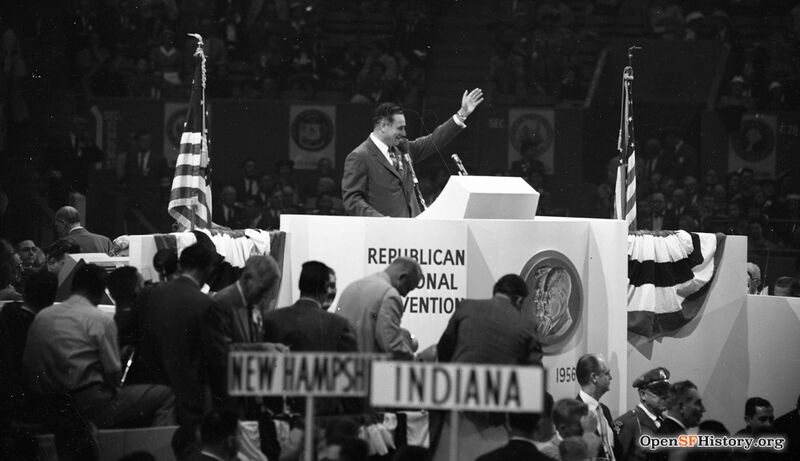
column 489, row 331
column 156, row 170
column 235, row 215
column 89, row 242
column 610, row 420
column 515, row 450
column 631, row 425
column 238, row 316
column 670, row 427
column 305, row 327
column 184, row 345
column 372, row 187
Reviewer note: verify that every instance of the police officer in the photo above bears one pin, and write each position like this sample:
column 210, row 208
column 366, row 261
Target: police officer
column 653, row 388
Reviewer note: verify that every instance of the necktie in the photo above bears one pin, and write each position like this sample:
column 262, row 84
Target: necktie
column 601, row 421
column 398, row 165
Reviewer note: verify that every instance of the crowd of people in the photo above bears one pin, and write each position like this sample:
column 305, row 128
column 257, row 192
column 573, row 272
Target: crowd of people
column 546, row 50
column 273, row 49
column 160, row 359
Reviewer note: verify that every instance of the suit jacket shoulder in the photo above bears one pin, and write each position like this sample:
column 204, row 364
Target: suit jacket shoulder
column 515, row 450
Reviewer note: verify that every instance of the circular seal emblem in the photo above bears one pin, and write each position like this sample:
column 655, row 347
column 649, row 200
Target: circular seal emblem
column 556, row 298
column 175, row 126
column 531, row 130
column 754, row 141
column 312, row 130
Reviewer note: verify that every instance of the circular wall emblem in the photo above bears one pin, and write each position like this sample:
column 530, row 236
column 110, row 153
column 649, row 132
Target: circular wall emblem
column 312, row 130
column 556, row 298
column 175, row 126
column 531, row 128
column 754, row 141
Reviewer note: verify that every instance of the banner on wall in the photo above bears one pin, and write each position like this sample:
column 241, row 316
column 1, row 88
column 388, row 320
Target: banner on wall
column 312, row 135
column 753, row 144
column 531, row 133
column 174, row 118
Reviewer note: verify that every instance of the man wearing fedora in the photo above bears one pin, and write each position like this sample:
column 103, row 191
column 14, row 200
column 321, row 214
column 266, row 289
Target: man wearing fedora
column 653, row 387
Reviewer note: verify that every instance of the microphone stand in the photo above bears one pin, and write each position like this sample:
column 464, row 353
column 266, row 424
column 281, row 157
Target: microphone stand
column 415, row 181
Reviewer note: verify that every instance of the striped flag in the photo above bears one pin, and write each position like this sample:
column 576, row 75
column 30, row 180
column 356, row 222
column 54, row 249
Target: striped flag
column 190, row 197
column 668, row 278
column 625, row 190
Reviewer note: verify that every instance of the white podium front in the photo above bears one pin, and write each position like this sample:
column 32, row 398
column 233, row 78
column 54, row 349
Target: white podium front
column 567, row 262
column 484, row 197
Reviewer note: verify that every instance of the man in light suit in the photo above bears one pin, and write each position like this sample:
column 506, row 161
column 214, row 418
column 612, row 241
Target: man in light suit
column 236, row 302
column 68, row 226
column 374, row 306
column 492, row 330
column 594, row 377
column 377, row 180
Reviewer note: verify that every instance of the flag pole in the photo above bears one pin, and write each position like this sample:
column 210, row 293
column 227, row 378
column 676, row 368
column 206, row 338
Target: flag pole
column 625, row 190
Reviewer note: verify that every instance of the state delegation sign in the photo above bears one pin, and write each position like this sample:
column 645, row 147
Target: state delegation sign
column 293, row 374
column 499, row 388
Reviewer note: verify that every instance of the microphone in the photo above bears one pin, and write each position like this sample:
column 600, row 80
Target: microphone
column 461, row 170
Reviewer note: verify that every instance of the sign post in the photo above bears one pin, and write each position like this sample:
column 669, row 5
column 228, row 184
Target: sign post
column 457, row 387
column 309, row 375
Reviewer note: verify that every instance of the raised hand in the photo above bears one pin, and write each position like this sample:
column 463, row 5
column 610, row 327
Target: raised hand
column 470, row 100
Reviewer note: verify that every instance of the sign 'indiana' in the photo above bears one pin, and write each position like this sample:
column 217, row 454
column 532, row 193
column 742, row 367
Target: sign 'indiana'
column 457, row 386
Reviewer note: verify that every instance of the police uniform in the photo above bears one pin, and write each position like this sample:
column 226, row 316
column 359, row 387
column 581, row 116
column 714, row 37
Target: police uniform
column 637, row 422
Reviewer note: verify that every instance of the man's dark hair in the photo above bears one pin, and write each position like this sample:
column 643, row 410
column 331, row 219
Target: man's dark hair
column 523, row 422
column 586, row 365
column 122, row 284
column 511, row 285
column 59, row 248
column 527, row 422
column 711, row 426
column 752, row 403
column 351, row 448
column 90, row 280
column 218, row 425
column 314, row 278
column 678, row 393
column 184, row 442
column 197, row 256
column 40, row 289
column 386, row 111
column 567, row 414
column 165, row 261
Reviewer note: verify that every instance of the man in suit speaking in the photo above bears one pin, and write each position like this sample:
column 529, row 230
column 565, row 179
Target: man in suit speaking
column 377, row 180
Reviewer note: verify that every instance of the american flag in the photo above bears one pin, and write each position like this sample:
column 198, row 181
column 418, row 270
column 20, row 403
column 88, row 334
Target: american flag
column 625, row 190
column 190, row 197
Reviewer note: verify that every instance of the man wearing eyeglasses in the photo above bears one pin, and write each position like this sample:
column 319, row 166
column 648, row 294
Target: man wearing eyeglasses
column 653, row 388
column 377, row 180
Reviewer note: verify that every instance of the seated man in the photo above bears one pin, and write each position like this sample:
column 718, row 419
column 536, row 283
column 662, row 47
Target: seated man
column 72, row 349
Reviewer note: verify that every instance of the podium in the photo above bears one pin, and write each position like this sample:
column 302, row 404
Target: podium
column 484, row 197
column 479, row 229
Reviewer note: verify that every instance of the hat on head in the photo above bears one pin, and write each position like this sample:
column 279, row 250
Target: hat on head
column 737, row 79
column 774, row 85
column 656, row 380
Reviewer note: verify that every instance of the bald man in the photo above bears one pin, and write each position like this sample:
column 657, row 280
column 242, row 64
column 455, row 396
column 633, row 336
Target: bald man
column 68, row 226
column 374, row 306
